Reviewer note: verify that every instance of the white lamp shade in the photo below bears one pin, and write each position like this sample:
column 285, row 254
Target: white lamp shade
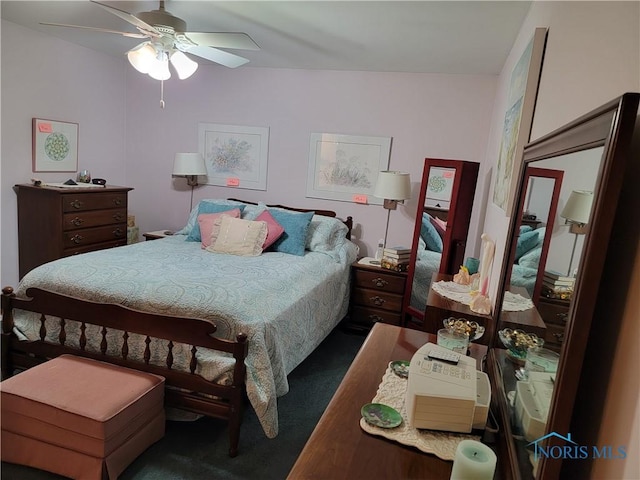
column 393, row 185
column 160, row 67
column 189, row 164
column 185, row 67
column 578, row 207
column 142, row 57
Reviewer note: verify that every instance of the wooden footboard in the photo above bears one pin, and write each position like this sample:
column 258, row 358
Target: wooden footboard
column 185, row 389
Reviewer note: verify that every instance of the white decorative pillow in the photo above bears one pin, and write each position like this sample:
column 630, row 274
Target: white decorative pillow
column 237, row 236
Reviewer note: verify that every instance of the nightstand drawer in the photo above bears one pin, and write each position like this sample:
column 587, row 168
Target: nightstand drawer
column 377, row 299
column 379, row 281
column 369, row 316
column 73, row 221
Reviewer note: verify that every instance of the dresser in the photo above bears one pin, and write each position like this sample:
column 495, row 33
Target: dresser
column 58, row 222
column 376, row 296
column 554, row 312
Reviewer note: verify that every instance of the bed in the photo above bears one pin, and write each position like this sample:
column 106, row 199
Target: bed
column 429, row 254
column 527, row 258
column 196, row 316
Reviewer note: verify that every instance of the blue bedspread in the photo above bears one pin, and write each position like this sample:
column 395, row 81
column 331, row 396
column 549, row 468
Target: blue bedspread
column 286, row 304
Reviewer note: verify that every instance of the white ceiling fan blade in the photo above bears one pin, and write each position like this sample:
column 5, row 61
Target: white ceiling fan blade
column 132, row 19
column 95, row 29
column 223, row 58
column 240, row 41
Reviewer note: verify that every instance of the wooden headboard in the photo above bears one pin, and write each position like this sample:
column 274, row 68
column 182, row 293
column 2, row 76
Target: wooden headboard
column 441, row 213
column 327, row 213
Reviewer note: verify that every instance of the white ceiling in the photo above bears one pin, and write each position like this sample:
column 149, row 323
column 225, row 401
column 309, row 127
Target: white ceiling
column 463, row 37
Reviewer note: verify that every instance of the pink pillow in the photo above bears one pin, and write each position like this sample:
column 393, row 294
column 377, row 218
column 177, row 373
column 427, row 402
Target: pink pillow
column 274, row 229
column 205, row 221
column 440, row 225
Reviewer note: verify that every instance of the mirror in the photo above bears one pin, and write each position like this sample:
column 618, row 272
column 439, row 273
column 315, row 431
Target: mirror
column 538, row 410
column 441, row 228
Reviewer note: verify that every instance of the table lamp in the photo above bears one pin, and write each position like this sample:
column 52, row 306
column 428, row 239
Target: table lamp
column 189, row 165
column 392, row 187
column 576, row 213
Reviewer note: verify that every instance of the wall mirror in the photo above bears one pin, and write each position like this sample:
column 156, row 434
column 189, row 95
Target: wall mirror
column 538, row 410
column 441, row 228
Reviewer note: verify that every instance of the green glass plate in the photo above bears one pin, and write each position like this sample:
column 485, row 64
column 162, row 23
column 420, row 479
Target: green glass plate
column 381, row 415
column 400, row 368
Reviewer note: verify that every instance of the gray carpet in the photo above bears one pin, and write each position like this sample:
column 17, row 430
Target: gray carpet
column 198, row 450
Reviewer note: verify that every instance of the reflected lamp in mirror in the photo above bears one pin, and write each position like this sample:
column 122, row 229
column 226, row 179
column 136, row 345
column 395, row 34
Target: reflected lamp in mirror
column 392, row 187
column 576, row 213
column 189, row 165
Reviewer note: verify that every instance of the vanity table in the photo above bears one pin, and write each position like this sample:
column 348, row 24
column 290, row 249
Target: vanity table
column 339, row 449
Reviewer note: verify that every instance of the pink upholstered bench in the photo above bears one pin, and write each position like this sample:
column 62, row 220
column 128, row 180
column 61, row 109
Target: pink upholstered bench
column 80, row 418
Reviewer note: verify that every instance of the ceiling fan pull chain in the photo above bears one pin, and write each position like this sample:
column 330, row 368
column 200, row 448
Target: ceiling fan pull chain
column 161, row 93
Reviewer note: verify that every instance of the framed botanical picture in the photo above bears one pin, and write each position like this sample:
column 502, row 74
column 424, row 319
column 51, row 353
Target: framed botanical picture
column 440, row 187
column 344, row 166
column 55, row 146
column 235, row 156
column 518, row 119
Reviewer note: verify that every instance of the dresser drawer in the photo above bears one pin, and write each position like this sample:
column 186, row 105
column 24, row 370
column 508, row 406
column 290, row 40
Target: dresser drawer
column 379, row 281
column 93, row 247
column 93, row 201
column 89, row 236
column 95, row 218
column 377, row 299
column 553, row 313
column 369, row 316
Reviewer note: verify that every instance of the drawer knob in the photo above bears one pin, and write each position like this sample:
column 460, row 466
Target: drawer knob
column 380, row 282
column 378, row 301
column 77, row 239
column 118, row 232
column 76, row 204
column 77, row 221
column 376, row 318
column 118, row 217
column 117, row 201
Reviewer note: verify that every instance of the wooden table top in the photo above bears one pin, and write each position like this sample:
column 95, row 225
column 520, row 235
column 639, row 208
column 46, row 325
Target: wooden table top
column 339, row 449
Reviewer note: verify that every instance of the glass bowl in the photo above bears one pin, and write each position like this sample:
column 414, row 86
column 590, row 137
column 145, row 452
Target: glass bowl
column 467, row 327
column 519, row 341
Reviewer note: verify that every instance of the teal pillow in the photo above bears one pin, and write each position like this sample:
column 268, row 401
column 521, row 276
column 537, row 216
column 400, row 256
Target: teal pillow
column 526, row 242
column 295, row 226
column 430, row 235
column 206, row 207
column 525, row 229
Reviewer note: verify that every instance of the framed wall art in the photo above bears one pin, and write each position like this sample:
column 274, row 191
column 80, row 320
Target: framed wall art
column 235, row 156
column 440, row 187
column 342, row 166
column 518, row 119
column 55, row 146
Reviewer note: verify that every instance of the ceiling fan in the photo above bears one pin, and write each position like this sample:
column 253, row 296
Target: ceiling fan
column 168, row 40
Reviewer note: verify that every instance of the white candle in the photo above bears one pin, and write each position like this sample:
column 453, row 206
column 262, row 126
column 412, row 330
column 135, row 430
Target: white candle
column 473, row 461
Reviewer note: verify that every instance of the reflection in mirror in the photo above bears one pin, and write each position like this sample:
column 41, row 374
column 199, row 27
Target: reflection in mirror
column 441, row 228
column 537, row 397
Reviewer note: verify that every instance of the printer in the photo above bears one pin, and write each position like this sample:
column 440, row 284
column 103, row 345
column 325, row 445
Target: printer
column 444, row 396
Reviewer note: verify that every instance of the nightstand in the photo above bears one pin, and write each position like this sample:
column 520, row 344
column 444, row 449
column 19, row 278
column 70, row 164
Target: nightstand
column 554, row 312
column 155, row 235
column 376, row 296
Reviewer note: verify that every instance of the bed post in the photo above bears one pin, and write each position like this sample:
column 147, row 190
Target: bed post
column 7, row 330
column 241, row 350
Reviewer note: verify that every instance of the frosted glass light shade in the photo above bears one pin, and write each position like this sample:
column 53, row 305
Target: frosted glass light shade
column 189, row 164
column 578, row 207
column 142, row 57
column 392, row 185
column 160, row 68
column 185, row 67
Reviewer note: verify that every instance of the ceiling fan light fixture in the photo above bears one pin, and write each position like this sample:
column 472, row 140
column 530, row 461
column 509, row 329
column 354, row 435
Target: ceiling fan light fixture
column 160, row 67
column 142, row 57
column 185, row 67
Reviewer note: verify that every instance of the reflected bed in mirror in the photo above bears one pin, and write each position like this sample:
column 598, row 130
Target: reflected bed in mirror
column 595, row 153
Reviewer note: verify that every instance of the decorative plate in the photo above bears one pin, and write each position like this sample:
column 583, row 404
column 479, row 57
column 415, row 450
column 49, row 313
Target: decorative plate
column 400, row 368
column 381, row 415
column 467, row 327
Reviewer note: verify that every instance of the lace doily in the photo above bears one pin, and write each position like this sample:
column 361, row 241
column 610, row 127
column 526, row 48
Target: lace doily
column 513, row 302
column 392, row 392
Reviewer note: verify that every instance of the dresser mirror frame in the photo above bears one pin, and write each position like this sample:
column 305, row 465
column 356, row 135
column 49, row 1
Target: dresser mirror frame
column 454, row 241
column 590, row 332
